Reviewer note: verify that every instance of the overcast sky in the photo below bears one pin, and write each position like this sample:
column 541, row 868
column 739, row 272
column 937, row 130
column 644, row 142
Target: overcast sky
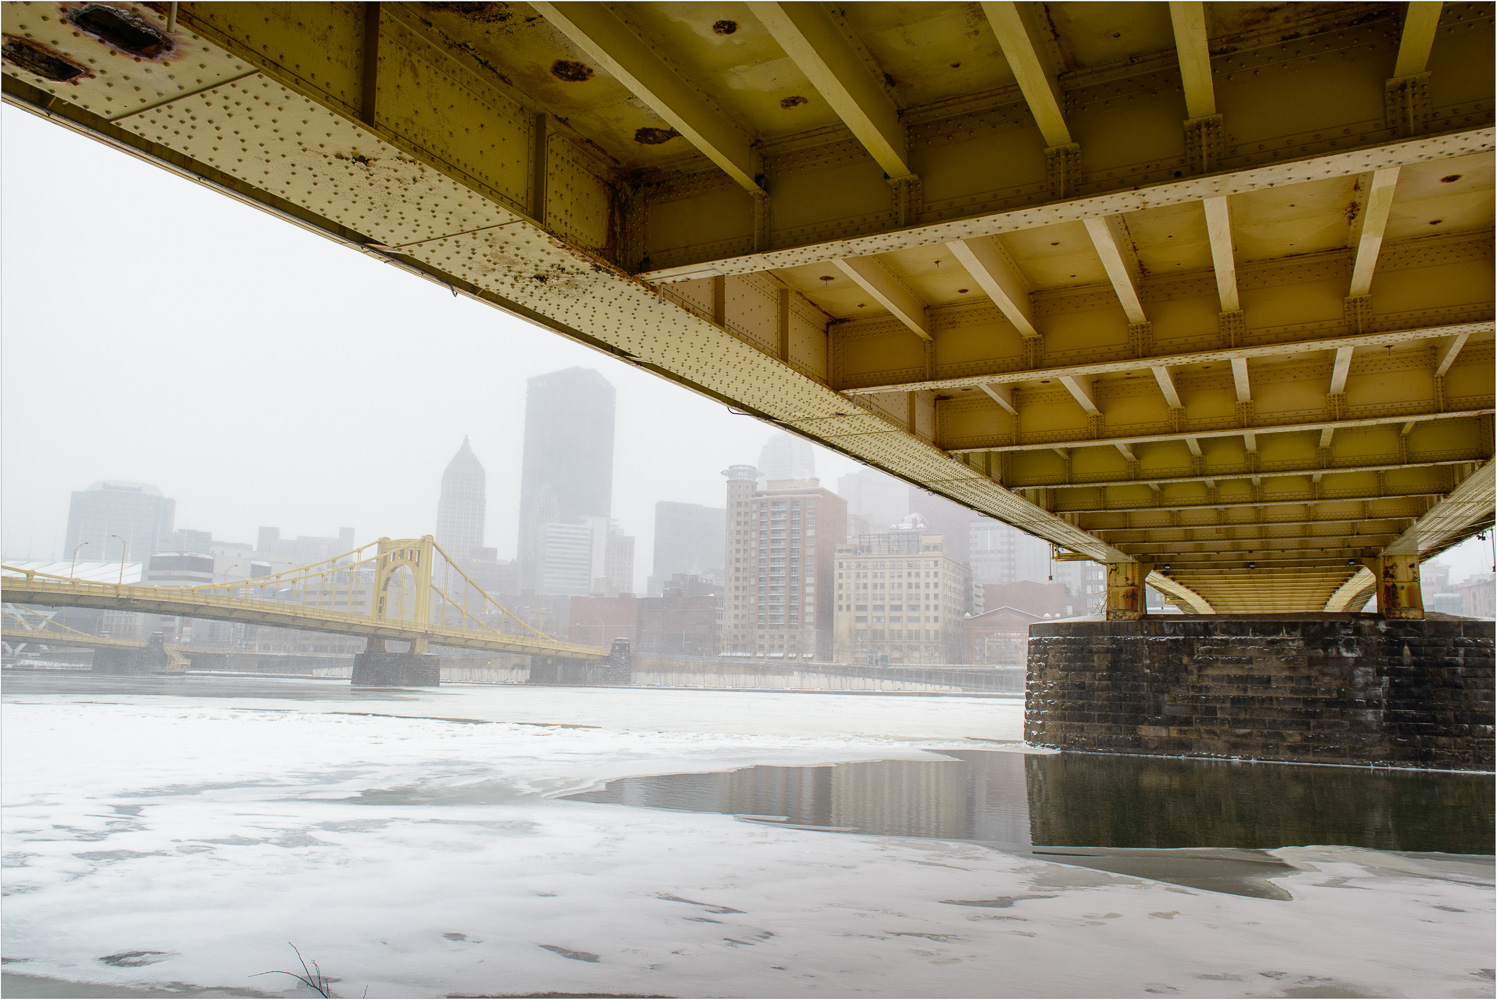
column 258, row 374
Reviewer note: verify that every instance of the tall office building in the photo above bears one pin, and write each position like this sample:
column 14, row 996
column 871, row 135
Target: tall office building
column 110, row 516
column 689, row 540
column 876, row 501
column 946, row 518
column 778, row 599
column 618, row 562
column 786, row 457
column 738, row 561
column 564, row 559
column 566, row 473
column 577, row 560
column 460, row 510
column 1000, row 553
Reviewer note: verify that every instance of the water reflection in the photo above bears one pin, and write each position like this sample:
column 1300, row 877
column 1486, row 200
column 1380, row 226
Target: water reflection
column 1100, row 811
column 1139, row 802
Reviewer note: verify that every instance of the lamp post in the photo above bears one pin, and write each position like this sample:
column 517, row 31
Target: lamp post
column 124, row 547
column 73, row 569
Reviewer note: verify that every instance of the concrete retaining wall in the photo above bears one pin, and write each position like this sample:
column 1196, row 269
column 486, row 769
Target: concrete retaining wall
column 1343, row 689
column 757, row 675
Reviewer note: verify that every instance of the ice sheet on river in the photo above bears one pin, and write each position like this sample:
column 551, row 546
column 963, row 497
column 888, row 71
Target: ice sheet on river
column 150, row 843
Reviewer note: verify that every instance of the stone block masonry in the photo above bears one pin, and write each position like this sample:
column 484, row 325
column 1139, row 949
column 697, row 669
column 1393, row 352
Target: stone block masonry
column 380, row 669
column 1328, row 689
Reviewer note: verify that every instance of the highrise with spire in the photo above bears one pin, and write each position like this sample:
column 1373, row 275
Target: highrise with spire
column 460, row 511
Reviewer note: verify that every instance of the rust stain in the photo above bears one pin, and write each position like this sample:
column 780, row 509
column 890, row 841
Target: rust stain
column 571, row 71
column 792, row 102
column 481, row 13
column 36, row 58
column 121, row 29
column 654, row 136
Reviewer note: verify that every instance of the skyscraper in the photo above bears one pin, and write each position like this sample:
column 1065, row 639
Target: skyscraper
column 1001, row 553
column 785, row 457
column 460, row 510
column 875, row 501
column 107, row 513
column 946, row 518
column 689, row 540
column 566, row 474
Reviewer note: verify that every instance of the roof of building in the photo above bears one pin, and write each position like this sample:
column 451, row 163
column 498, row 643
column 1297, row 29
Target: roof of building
column 123, row 486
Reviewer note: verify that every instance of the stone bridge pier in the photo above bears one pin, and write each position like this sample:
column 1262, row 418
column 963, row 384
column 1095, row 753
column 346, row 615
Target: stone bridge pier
column 117, row 660
column 1317, row 688
column 377, row 667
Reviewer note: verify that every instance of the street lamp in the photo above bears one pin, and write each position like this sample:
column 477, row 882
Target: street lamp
column 73, row 569
column 124, row 547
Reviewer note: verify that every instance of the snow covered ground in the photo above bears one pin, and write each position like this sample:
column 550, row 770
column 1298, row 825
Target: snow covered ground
column 178, row 843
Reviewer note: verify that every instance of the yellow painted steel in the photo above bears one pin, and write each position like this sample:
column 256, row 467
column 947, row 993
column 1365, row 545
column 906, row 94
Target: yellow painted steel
column 347, row 594
column 23, row 628
column 1101, row 271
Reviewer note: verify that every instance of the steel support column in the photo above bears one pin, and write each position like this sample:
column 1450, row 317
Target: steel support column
column 1398, row 593
column 1125, row 590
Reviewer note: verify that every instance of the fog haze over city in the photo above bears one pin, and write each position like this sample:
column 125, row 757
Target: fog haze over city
column 157, row 331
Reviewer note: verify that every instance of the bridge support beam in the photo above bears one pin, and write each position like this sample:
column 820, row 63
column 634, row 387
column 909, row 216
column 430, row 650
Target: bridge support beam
column 1328, row 689
column 376, row 668
column 1125, row 590
column 1398, row 594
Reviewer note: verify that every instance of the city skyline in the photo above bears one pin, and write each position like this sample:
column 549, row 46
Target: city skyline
column 312, row 405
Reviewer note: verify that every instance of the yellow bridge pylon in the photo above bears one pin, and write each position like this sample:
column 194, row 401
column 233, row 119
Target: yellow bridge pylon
column 405, row 589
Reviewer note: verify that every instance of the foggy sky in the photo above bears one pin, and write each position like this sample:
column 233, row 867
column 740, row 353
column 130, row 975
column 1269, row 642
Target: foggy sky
column 259, row 374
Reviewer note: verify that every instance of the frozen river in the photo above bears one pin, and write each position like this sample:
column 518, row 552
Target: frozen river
column 171, row 836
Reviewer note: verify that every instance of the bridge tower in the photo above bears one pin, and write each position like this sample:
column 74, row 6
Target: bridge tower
column 376, row 666
column 416, row 555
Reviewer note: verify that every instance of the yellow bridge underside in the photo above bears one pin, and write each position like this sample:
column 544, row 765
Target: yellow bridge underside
column 1206, row 287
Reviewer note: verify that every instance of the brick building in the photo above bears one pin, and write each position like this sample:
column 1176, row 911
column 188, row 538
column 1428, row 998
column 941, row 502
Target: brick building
column 781, row 546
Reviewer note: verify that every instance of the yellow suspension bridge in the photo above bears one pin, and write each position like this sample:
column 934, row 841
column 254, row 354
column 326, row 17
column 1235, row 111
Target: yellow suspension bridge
column 406, row 590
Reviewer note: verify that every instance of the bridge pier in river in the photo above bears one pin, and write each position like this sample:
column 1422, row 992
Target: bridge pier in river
column 1326, row 688
column 149, row 659
column 378, row 667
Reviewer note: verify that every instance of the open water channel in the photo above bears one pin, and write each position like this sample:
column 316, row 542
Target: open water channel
column 170, row 836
